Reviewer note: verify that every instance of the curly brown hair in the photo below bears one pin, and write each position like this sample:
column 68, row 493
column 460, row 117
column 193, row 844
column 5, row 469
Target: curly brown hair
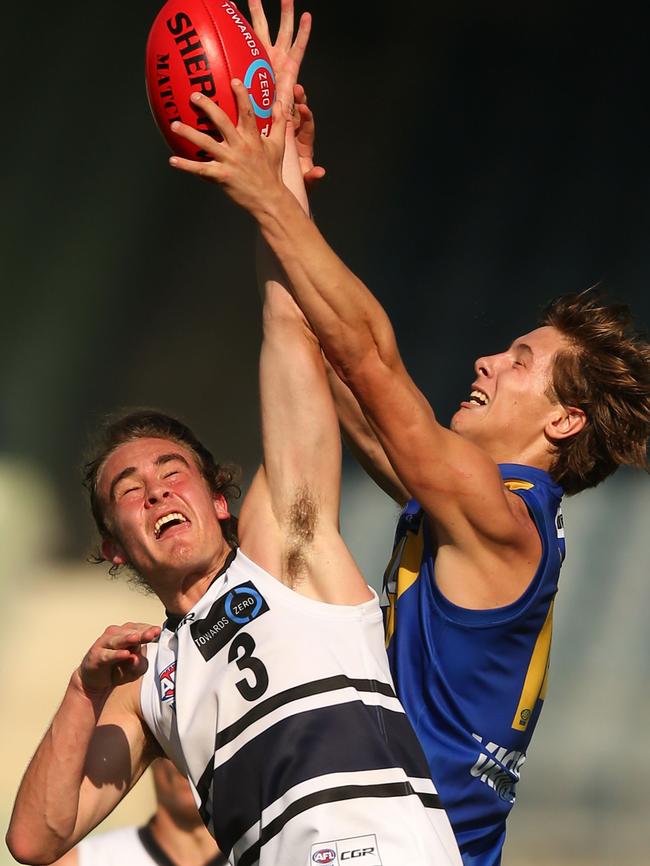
column 605, row 371
column 142, row 423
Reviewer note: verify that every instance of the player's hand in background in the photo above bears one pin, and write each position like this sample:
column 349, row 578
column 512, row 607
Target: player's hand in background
column 286, row 56
column 305, row 132
column 286, row 53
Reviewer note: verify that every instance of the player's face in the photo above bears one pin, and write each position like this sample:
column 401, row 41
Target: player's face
column 509, row 407
column 160, row 511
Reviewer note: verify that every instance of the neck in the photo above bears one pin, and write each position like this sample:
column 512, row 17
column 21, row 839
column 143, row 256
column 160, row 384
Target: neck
column 179, row 593
column 185, row 842
column 533, row 455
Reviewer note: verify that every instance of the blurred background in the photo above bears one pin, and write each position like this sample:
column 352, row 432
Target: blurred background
column 482, row 158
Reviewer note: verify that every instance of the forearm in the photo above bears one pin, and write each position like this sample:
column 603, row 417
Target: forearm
column 292, row 171
column 46, row 808
column 362, row 441
column 348, row 321
column 279, row 306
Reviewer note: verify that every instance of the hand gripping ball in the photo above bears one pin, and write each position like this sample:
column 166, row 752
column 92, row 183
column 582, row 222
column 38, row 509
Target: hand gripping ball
column 201, row 45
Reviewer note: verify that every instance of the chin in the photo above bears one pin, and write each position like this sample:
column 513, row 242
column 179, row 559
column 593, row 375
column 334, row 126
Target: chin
column 459, row 423
column 180, row 558
column 462, row 425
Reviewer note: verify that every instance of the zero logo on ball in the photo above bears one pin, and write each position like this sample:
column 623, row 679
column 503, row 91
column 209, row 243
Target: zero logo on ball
column 265, row 80
column 200, row 46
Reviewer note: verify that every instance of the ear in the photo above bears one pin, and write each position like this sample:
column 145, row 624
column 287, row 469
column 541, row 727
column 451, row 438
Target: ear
column 221, row 507
column 565, row 422
column 112, row 552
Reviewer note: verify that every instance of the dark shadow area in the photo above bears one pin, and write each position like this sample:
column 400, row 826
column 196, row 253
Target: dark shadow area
column 480, row 161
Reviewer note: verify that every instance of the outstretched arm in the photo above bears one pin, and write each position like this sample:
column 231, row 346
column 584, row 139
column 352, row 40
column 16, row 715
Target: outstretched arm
column 289, row 520
column 93, row 752
column 357, row 432
column 302, row 454
column 457, row 483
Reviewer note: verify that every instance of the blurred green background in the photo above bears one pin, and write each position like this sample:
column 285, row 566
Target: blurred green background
column 481, row 159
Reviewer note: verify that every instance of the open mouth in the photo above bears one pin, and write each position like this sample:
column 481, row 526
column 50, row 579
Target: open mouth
column 167, row 521
column 479, row 397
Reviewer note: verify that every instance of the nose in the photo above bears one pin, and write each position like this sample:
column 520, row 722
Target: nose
column 490, row 365
column 484, row 366
column 156, row 492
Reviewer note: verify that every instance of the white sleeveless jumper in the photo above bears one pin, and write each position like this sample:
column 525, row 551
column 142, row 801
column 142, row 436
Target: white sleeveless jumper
column 282, row 712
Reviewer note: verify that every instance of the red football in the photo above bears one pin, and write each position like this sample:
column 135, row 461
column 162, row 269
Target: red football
column 201, row 45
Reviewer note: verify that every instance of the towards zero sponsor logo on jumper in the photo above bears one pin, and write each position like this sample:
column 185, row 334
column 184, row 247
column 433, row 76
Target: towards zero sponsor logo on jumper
column 226, row 617
column 361, row 850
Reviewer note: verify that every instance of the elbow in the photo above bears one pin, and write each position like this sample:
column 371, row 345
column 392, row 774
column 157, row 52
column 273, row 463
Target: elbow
column 361, row 348
column 363, row 372
column 24, row 848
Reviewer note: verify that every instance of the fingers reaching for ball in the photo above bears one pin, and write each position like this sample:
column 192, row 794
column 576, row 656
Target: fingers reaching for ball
column 287, row 52
column 245, row 164
column 259, row 22
column 206, row 144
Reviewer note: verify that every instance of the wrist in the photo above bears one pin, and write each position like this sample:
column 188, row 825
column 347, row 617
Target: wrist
column 96, row 696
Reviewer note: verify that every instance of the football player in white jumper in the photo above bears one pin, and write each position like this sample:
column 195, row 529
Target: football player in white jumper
column 268, row 684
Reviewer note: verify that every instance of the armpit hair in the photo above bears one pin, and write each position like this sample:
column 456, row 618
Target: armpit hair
column 301, row 526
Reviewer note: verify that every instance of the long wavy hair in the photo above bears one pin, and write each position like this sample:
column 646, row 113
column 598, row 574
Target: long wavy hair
column 143, row 423
column 605, row 371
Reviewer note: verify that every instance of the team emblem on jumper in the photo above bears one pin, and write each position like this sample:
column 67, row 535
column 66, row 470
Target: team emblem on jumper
column 167, row 678
column 231, row 612
column 361, row 850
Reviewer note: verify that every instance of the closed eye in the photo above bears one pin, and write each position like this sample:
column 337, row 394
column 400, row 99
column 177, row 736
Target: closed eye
column 128, row 490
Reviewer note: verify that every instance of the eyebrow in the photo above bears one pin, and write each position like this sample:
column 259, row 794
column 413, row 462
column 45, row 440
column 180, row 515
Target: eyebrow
column 525, row 348
column 130, row 470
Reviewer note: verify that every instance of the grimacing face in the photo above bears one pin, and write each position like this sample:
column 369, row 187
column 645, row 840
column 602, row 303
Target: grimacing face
column 509, row 411
column 162, row 515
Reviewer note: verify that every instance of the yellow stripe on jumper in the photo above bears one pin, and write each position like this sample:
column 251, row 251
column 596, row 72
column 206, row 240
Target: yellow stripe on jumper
column 537, row 675
column 514, row 484
column 407, row 559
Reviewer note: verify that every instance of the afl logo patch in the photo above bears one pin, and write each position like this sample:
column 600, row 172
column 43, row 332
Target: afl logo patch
column 166, row 679
column 325, row 855
column 354, row 851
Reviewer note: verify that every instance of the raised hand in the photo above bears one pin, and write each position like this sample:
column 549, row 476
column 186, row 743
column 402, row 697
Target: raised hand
column 116, row 657
column 286, row 53
column 246, row 164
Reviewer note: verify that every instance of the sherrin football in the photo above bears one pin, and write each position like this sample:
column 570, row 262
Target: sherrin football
column 201, row 45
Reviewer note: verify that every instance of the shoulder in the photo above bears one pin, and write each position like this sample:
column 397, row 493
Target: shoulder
column 533, row 495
